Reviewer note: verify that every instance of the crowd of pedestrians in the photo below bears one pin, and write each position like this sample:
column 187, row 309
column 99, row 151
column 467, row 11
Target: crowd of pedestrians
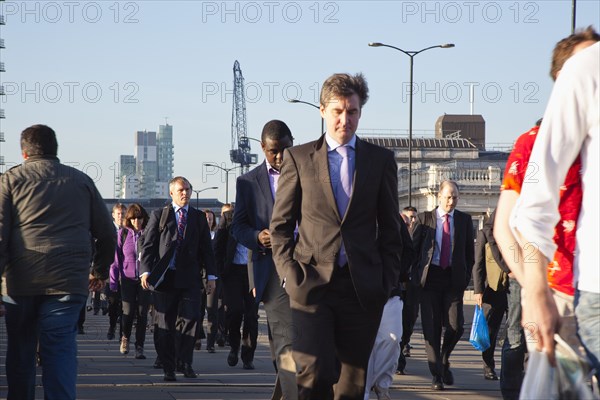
column 316, row 235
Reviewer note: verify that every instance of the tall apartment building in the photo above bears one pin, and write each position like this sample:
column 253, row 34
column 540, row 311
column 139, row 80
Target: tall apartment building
column 146, row 173
column 165, row 152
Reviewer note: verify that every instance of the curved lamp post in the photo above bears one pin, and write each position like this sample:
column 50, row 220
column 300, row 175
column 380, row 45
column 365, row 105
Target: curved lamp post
column 312, row 105
column 202, row 190
column 411, row 54
column 227, row 171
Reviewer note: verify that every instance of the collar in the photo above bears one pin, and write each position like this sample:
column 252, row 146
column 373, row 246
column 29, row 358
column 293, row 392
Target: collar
column 40, row 158
column 176, row 207
column 332, row 144
column 440, row 213
column 271, row 170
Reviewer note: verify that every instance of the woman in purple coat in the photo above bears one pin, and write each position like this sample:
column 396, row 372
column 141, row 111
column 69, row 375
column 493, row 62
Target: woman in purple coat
column 125, row 269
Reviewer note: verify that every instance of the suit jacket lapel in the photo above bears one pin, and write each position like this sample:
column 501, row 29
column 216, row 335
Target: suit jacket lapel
column 264, row 184
column 361, row 169
column 320, row 162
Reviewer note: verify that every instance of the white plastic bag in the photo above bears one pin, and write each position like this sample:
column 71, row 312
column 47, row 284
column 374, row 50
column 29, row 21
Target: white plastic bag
column 565, row 382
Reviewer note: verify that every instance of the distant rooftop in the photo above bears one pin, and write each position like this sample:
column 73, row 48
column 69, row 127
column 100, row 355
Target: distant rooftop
column 429, row 143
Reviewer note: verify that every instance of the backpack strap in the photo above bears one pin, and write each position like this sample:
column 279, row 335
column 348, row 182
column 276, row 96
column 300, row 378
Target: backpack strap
column 163, row 218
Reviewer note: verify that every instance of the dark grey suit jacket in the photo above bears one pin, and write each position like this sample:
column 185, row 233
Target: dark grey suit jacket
column 370, row 228
column 253, row 211
column 194, row 255
column 463, row 251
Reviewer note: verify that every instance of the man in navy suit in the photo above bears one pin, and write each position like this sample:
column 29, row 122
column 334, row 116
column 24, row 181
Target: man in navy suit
column 443, row 239
column 181, row 244
column 255, row 196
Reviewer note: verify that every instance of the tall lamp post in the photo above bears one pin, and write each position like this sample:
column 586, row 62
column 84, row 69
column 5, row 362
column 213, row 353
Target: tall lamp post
column 312, row 105
column 411, row 54
column 202, row 190
column 227, row 171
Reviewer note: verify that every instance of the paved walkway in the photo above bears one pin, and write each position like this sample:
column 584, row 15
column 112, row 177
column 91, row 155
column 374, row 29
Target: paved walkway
column 106, row 374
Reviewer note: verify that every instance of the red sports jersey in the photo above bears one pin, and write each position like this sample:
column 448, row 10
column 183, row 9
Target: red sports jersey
column 560, row 269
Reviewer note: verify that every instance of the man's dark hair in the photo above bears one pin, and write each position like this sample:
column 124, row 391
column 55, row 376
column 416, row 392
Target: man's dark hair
column 564, row 48
column 410, row 208
column 275, row 130
column 39, row 140
column 344, row 85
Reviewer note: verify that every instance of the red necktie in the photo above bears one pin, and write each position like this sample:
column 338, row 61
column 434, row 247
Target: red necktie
column 446, row 248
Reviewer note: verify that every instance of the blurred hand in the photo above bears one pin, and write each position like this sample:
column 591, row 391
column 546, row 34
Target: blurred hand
column 144, row 282
column 264, row 238
column 478, row 299
column 540, row 320
column 210, row 286
column 95, row 284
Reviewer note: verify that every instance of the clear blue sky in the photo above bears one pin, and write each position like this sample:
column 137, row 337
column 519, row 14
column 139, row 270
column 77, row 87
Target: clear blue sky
column 97, row 72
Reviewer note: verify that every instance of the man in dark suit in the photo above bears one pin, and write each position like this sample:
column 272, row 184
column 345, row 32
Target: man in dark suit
column 255, row 196
column 443, row 238
column 232, row 262
column 338, row 270
column 181, row 244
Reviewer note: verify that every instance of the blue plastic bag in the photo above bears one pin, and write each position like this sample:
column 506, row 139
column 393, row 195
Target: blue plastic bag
column 480, row 336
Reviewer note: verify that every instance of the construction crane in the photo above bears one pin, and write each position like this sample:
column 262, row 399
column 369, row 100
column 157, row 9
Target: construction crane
column 240, row 143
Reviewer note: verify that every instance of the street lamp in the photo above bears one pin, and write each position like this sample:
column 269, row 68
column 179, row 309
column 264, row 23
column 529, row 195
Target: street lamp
column 227, row 171
column 411, row 54
column 312, row 105
column 202, row 190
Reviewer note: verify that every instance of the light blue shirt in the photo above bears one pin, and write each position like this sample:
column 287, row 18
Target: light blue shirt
column 335, row 159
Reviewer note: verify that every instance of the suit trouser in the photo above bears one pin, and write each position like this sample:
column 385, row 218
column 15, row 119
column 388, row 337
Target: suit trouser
column 494, row 307
column 279, row 316
column 441, row 306
column 336, row 326
column 177, row 314
column 240, row 305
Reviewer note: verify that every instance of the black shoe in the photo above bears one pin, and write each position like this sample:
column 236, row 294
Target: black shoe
column 211, row 349
column 169, row 376
column 220, row 341
column 157, row 364
column 104, row 311
column 232, row 358
column 198, row 345
column 400, row 372
column 490, row 375
column 448, row 378
column 80, row 330
column 188, row 371
column 89, row 308
column 110, row 335
column 248, row 365
column 180, row 366
column 436, row 383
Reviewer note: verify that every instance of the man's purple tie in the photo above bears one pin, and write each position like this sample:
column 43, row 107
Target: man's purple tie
column 344, row 189
column 342, row 195
column 181, row 225
column 446, row 248
column 275, row 174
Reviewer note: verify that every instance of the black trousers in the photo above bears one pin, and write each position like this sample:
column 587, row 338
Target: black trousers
column 441, row 306
column 136, row 302
column 337, row 327
column 494, row 307
column 240, row 306
column 177, row 313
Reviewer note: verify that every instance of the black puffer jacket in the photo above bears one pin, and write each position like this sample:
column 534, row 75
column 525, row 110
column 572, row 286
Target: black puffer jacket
column 49, row 214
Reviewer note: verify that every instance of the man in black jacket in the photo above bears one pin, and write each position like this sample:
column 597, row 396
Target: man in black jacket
column 443, row 239
column 490, row 289
column 175, row 250
column 48, row 214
